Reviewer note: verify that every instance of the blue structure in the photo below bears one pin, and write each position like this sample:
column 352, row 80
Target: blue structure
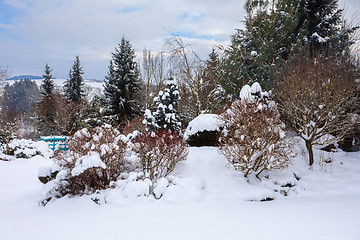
column 55, row 141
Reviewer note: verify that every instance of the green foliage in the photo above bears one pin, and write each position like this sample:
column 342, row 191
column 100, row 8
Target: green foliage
column 165, row 115
column 276, row 30
column 122, row 84
column 20, row 96
column 324, row 26
column 73, row 87
column 204, row 138
column 47, row 86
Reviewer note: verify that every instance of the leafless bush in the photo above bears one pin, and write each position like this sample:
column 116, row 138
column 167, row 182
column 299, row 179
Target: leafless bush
column 159, row 152
column 4, row 73
column 134, row 125
column 315, row 96
column 253, row 139
column 95, row 158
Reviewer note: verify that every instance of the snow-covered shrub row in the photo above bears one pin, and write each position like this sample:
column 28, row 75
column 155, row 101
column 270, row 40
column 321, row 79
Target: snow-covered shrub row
column 204, row 130
column 159, row 152
column 95, row 159
column 254, row 136
column 101, row 158
column 23, row 148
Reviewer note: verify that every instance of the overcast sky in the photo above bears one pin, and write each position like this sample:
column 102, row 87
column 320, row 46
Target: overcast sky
column 38, row 32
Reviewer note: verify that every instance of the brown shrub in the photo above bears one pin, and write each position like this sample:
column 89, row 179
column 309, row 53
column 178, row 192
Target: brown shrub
column 134, row 125
column 159, row 152
column 95, row 158
column 253, row 139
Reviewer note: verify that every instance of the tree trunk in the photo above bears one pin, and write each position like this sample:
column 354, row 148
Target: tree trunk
column 310, row 150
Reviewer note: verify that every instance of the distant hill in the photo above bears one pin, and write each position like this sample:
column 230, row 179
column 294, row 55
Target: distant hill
column 31, row 77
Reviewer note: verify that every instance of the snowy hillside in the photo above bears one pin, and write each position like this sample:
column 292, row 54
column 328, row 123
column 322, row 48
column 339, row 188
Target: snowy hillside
column 60, row 82
column 91, row 87
column 205, row 200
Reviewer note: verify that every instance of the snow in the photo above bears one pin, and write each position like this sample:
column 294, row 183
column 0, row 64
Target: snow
column 245, row 93
column 256, row 88
column 160, row 187
column 319, row 38
column 86, row 162
column 203, row 199
column 136, row 189
column 28, row 148
column 203, row 122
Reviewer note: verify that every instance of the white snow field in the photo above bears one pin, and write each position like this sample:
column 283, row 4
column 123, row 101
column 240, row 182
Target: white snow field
column 205, row 200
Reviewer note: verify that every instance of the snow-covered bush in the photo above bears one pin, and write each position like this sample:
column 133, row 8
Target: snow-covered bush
column 96, row 157
column 23, row 148
column 254, row 139
column 159, row 152
column 203, row 130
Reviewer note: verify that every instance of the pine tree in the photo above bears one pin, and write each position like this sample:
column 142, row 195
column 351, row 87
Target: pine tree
column 73, row 87
column 165, row 115
column 122, row 84
column 47, row 86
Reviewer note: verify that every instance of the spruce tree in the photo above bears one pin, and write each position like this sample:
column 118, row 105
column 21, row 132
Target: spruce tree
column 122, row 85
column 73, row 87
column 165, row 115
column 46, row 108
column 211, row 90
column 47, row 87
column 325, row 30
column 276, row 30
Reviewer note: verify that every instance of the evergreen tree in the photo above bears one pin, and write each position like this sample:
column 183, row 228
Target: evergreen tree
column 274, row 31
column 122, row 85
column 47, row 86
column 324, row 26
column 211, row 89
column 73, row 87
column 20, row 96
column 46, row 108
column 165, row 115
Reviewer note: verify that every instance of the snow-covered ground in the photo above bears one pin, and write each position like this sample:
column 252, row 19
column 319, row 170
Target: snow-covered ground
column 207, row 200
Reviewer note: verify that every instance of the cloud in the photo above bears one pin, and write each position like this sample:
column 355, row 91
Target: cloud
column 54, row 32
column 36, row 32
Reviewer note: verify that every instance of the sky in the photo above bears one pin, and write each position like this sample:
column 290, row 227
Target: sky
column 38, row 32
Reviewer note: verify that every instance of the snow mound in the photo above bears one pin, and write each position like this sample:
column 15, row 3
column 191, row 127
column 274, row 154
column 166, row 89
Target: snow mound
column 135, row 189
column 203, row 122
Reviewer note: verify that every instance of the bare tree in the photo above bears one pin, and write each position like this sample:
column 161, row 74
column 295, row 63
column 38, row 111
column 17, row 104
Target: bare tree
column 315, row 96
column 153, row 74
column 190, row 71
column 4, row 73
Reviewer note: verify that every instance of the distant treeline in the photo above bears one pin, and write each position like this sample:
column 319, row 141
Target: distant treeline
column 31, row 77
